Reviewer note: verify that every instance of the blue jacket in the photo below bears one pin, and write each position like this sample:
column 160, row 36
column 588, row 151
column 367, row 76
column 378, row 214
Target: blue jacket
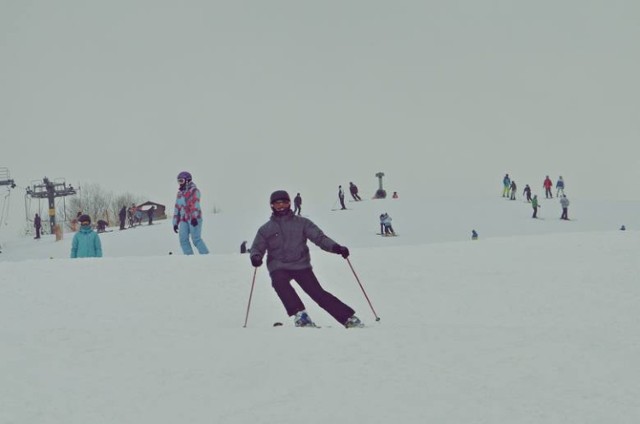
column 86, row 244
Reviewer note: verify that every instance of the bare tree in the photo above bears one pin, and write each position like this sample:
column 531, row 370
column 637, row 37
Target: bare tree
column 120, row 200
column 91, row 199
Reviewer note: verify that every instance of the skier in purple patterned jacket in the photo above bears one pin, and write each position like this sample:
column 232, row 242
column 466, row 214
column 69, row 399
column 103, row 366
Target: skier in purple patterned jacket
column 187, row 215
column 284, row 239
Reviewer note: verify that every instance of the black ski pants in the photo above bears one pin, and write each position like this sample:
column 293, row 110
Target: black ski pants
column 306, row 279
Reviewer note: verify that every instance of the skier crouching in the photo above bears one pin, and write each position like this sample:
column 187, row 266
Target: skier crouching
column 284, row 239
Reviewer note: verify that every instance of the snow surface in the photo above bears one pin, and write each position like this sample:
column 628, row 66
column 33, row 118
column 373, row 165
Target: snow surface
column 536, row 322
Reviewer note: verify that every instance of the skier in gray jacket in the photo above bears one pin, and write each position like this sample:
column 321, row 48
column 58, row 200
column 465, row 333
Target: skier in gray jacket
column 564, row 202
column 284, row 239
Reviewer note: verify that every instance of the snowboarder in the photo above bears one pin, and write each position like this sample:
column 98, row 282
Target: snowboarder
column 122, row 215
column 559, row 186
column 527, row 193
column 284, row 239
column 353, row 189
column 474, row 235
column 297, row 203
column 341, row 197
column 513, row 188
column 86, row 242
column 187, row 215
column 547, row 184
column 37, row 223
column 506, row 185
column 564, row 202
column 535, row 206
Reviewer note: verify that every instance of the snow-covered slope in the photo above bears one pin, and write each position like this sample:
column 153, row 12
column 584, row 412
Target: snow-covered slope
column 532, row 323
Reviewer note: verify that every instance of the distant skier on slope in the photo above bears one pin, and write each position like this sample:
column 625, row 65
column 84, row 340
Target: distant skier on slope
column 506, row 185
column 560, row 186
column 527, row 193
column 284, row 239
column 297, row 204
column 564, row 203
column 341, row 197
column 353, row 189
column 547, row 184
column 535, row 206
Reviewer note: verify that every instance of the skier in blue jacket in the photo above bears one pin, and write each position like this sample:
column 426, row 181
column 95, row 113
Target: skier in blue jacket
column 86, row 242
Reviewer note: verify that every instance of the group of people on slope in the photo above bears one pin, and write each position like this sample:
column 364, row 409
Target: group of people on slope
column 353, row 189
column 134, row 215
column 386, row 229
column 509, row 191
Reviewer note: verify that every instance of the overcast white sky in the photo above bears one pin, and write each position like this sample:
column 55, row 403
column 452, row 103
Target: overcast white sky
column 250, row 96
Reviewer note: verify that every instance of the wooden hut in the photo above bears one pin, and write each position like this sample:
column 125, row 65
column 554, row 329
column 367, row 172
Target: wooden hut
column 159, row 213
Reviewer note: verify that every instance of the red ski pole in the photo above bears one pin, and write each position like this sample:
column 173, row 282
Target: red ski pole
column 253, row 281
column 364, row 292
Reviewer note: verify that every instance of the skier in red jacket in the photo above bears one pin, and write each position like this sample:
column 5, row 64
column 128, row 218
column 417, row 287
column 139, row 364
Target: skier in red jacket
column 547, row 188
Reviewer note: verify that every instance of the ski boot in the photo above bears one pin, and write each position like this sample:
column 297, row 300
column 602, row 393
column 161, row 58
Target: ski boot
column 353, row 322
column 302, row 320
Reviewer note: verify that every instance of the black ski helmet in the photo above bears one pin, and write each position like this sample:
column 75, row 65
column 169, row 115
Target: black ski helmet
column 279, row 195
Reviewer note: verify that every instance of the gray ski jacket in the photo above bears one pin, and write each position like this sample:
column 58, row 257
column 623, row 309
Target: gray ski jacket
column 284, row 240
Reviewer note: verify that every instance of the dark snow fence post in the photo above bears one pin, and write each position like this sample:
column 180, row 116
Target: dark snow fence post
column 364, row 292
column 253, row 281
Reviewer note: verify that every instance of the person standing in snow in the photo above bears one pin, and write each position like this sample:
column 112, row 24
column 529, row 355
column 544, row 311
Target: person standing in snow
column 187, row 215
column 547, row 184
column 341, row 197
column 559, row 186
column 513, row 188
column 37, row 223
column 86, row 242
column 122, row 215
column 353, row 189
column 506, row 185
column 535, row 206
column 150, row 213
column 564, row 202
column 527, row 193
column 297, row 203
column 284, row 240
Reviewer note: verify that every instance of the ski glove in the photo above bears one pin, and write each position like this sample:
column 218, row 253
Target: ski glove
column 256, row 261
column 194, row 222
column 340, row 250
column 175, row 229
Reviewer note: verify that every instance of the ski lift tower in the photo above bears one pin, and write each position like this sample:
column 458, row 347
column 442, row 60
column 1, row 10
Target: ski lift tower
column 50, row 190
column 380, row 193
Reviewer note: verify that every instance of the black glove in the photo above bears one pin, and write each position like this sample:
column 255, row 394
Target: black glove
column 194, row 222
column 340, row 250
column 256, row 261
column 175, row 229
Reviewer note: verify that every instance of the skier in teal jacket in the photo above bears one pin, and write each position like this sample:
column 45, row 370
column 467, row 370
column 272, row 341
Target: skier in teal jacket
column 86, row 242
